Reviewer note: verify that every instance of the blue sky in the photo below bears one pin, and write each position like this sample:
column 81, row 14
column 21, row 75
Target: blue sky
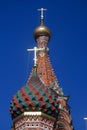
column 67, row 20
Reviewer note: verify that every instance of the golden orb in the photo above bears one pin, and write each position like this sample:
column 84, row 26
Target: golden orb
column 42, row 31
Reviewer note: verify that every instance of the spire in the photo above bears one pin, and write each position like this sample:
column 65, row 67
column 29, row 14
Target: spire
column 42, row 15
column 42, row 35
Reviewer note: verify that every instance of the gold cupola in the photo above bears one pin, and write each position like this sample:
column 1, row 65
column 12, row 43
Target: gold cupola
column 42, row 30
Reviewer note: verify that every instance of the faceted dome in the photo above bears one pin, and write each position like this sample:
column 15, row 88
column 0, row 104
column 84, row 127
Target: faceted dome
column 42, row 31
column 34, row 96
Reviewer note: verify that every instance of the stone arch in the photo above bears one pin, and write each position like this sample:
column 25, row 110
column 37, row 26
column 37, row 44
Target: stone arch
column 64, row 125
column 65, row 115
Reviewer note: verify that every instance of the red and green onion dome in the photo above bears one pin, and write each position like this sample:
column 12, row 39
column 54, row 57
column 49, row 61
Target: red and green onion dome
column 34, row 96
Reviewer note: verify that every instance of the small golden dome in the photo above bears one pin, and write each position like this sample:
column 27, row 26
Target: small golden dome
column 42, row 31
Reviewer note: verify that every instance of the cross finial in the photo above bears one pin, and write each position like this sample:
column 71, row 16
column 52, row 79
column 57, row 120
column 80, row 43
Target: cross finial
column 35, row 49
column 42, row 15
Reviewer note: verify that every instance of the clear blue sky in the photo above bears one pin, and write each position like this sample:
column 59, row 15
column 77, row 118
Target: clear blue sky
column 67, row 20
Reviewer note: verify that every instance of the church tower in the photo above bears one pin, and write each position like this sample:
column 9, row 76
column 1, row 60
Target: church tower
column 41, row 103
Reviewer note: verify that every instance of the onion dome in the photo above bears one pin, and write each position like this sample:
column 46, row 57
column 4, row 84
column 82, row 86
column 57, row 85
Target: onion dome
column 42, row 31
column 34, row 96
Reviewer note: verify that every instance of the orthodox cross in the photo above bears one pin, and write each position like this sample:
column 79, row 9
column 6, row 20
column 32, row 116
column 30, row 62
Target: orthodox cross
column 35, row 49
column 42, row 14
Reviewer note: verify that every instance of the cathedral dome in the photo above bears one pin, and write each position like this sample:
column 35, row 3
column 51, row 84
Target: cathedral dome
column 42, row 31
column 34, row 96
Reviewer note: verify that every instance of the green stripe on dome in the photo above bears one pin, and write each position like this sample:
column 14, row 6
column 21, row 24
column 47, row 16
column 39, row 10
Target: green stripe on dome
column 14, row 109
column 48, row 105
column 34, row 96
column 21, row 100
column 29, row 92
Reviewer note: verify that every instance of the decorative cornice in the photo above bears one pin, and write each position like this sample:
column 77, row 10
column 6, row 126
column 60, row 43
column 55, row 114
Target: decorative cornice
column 33, row 113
